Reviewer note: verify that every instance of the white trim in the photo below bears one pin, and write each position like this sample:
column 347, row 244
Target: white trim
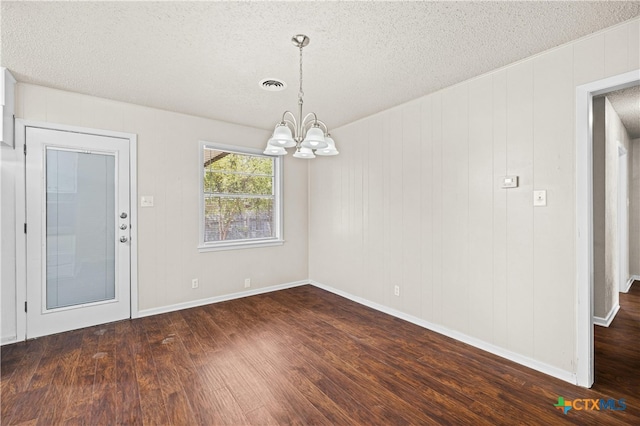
column 21, row 237
column 480, row 344
column 217, row 299
column 606, row 322
column 133, row 214
column 21, row 267
column 243, row 244
column 8, row 340
column 627, row 286
column 584, row 223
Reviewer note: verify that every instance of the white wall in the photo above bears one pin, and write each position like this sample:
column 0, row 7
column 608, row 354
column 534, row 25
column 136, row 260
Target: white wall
column 168, row 232
column 606, row 299
column 413, row 200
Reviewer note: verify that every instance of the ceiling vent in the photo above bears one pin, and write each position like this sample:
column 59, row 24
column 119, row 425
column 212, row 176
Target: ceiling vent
column 273, row 84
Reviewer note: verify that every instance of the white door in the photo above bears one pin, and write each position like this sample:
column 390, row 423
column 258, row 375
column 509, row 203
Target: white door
column 78, row 248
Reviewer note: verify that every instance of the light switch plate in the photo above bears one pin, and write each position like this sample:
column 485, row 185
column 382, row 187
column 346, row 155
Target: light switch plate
column 540, row 198
column 146, row 201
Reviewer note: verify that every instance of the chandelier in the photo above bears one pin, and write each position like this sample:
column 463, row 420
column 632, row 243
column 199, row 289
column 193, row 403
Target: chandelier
column 308, row 135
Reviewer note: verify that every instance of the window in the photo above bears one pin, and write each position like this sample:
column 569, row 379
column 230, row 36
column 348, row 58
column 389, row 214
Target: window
column 240, row 203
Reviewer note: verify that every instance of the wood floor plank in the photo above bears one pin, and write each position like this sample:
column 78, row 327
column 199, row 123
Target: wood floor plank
column 299, row 356
column 127, row 396
column 79, row 401
column 152, row 404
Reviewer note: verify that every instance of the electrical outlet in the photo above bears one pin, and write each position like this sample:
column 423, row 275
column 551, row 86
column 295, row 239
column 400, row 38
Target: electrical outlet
column 396, row 290
column 194, row 283
column 247, row 282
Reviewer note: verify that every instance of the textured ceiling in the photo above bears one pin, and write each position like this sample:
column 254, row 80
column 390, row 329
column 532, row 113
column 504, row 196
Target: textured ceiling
column 626, row 103
column 206, row 58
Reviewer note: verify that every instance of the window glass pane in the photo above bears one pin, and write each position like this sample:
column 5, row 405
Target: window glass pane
column 238, row 218
column 216, row 160
column 80, row 228
column 233, row 183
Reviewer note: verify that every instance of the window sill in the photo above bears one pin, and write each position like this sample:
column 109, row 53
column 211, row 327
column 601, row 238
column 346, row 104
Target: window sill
column 239, row 245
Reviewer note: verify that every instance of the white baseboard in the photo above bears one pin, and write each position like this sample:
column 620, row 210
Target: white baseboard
column 216, row 299
column 605, row 322
column 627, row 287
column 480, row 344
column 8, row 340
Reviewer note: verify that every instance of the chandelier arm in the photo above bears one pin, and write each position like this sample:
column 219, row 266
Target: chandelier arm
column 306, row 123
column 326, row 129
column 305, row 120
column 290, row 124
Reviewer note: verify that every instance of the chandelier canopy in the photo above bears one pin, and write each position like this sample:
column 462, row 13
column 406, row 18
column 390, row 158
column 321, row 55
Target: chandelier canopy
column 308, row 135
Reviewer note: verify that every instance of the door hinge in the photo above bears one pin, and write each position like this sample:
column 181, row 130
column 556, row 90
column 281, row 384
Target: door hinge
column 25, row 306
column 25, row 228
column 24, row 149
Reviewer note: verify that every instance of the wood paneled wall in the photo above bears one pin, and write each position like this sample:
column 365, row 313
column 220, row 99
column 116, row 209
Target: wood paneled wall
column 414, row 200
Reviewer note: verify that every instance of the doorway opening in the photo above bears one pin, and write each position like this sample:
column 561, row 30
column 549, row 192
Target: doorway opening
column 586, row 190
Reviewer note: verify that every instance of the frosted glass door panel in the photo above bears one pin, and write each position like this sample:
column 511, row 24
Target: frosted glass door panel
column 80, row 228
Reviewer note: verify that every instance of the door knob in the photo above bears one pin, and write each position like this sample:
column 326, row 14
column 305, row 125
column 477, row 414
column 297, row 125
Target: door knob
column 123, row 226
column 123, row 239
column 123, row 215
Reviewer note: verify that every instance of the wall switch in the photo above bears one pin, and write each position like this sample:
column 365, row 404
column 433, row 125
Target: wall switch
column 396, row 290
column 540, row 198
column 146, row 201
column 194, row 283
column 247, row 282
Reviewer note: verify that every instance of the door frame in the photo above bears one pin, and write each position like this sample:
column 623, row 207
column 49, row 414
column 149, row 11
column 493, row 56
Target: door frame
column 622, row 204
column 584, row 354
column 21, row 126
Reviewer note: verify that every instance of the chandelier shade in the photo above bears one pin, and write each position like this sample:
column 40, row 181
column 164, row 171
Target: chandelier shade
column 274, row 150
column 303, row 152
column 330, row 149
column 314, row 139
column 282, row 137
column 307, row 134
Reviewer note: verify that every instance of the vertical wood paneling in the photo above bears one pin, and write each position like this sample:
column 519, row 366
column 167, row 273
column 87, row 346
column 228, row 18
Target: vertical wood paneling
column 633, row 53
column 490, row 265
column 411, row 213
column 500, row 288
column 168, row 170
column 481, row 208
column 520, row 208
column 387, row 143
column 149, row 158
column 426, row 209
column 62, row 106
column 455, row 205
column 33, row 103
column 553, row 224
column 616, row 53
column 395, row 156
column 375, row 238
column 357, row 215
column 588, row 60
column 437, row 206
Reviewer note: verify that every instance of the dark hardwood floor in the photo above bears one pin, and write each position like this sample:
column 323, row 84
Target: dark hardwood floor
column 299, row 356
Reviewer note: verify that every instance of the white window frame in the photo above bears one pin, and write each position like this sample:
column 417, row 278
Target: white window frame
column 277, row 239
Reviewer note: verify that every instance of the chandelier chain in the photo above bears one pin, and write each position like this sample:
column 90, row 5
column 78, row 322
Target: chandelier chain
column 300, row 92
